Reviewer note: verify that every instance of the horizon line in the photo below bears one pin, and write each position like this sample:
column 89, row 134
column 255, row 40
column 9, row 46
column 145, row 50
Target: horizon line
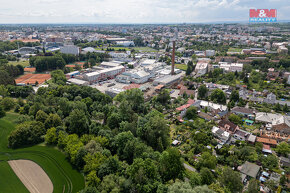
column 157, row 23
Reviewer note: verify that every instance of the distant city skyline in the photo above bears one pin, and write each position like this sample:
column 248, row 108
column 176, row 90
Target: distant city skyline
column 135, row 11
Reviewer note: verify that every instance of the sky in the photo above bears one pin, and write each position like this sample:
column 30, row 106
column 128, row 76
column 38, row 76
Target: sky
column 135, row 11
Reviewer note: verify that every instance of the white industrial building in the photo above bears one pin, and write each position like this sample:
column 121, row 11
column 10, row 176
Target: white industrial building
column 104, row 74
column 148, row 62
column 118, row 54
column 88, row 49
column 153, row 68
column 125, row 43
column 78, row 82
column 233, row 67
column 70, row 49
column 167, row 71
column 209, row 53
column 123, row 79
column 135, row 76
column 201, row 68
column 236, row 67
column 110, row 64
column 168, row 80
column 140, row 77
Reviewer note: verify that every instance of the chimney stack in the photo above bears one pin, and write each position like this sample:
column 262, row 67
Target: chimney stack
column 173, row 58
column 175, row 36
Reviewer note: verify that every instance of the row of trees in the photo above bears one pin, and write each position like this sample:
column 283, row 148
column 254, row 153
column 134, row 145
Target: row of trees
column 43, row 63
column 126, row 145
column 8, row 45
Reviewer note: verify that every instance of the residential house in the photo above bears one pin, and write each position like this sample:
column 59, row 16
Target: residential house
column 182, row 109
column 249, row 170
column 187, row 92
column 278, row 126
column 228, row 126
column 245, row 112
column 206, row 116
column 272, row 75
column 267, row 141
column 271, row 99
column 244, row 136
column 243, row 94
column 212, row 107
column 221, row 134
column 285, row 162
column 266, row 149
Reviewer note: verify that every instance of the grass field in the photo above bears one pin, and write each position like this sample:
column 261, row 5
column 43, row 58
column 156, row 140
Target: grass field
column 235, row 50
column 145, row 49
column 181, row 66
column 23, row 63
column 7, row 175
column 63, row 176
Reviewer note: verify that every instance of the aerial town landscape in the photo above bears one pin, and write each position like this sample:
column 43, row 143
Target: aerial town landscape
column 178, row 107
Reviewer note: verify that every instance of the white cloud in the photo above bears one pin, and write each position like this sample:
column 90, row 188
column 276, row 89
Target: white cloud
column 131, row 11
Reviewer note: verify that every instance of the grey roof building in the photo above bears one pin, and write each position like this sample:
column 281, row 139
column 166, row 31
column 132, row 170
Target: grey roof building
column 250, row 169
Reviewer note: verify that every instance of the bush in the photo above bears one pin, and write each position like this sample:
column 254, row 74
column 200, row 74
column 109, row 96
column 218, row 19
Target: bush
column 8, row 103
column 27, row 133
column 2, row 112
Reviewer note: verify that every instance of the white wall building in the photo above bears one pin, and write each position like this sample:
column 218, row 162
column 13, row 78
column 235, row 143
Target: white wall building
column 104, row 74
column 118, row 55
column 125, row 43
column 209, row 53
column 233, row 67
column 236, row 67
column 201, row 68
column 148, row 62
column 70, row 49
column 137, row 76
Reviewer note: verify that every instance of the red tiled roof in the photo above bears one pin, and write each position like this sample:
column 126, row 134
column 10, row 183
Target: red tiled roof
column 183, row 107
column 190, row 101
column 159, row 87
column 131, row 86
column 267, row 140
column 188, row 104
column 266, row 147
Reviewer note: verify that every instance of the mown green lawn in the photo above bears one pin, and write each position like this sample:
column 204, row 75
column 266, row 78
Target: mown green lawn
column 181, row 66
column 23, row 63
column 144, row 49
column 235, row 50
column 9, row 182
column 63, row 176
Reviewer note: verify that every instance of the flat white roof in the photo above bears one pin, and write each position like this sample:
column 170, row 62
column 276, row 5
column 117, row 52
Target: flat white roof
column 104, row 71
column 149, row 61
column 77, row 81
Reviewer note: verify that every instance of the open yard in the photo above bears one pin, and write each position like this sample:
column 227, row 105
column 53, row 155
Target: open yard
column 181, row 66
column 234, row 50
column 145, row 49
column 23, row 63
column 63, row 176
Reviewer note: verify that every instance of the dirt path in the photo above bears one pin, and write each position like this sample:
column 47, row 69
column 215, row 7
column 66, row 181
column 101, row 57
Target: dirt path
column 32, row 176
